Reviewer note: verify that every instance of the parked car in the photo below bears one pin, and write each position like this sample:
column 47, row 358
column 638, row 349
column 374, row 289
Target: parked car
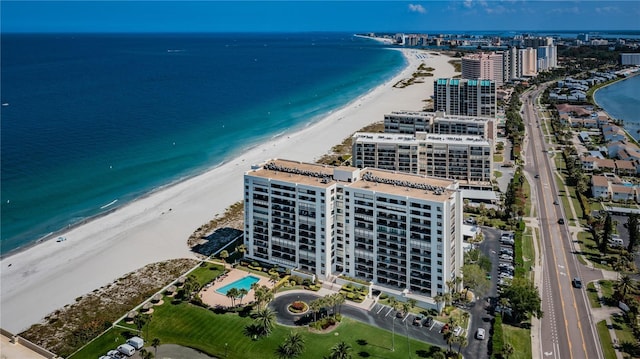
column 480, row 333
column 506, row 257
column 507, row 240
column 417, row 321
column 577, row 282
column 428, row 322
column 506, row 251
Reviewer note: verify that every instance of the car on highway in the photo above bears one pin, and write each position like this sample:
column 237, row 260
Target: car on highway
column 577, row 282
column 537, row 176
column 561, row 221
column 555, row 202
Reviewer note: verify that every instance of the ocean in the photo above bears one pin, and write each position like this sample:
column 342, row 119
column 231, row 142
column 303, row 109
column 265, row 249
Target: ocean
column 621, row 100
column 93, row 121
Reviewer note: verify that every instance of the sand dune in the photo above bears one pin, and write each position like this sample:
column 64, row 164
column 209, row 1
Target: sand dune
column 50, row 275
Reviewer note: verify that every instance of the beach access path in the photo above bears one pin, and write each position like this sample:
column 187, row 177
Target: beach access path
column 50, row 275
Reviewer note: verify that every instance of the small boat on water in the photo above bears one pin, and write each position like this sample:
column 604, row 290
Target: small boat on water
column 5, row 104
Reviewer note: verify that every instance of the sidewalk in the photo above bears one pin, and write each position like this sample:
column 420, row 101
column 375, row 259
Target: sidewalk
column 605, row 313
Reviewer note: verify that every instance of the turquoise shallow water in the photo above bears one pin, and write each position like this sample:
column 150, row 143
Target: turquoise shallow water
column 244, row 283
column 94, row 121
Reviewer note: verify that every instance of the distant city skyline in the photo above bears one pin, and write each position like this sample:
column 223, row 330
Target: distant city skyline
column 303, row 16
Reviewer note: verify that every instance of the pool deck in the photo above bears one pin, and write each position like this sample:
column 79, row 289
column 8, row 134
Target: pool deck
column 213, row 299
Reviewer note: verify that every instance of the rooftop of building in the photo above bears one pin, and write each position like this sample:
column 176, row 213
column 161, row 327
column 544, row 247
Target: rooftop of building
column 389, row 182
column 405, row 184
column 376, row 137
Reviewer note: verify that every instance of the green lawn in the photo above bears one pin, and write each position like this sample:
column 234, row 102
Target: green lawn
column 606, row 287
column 498, row 158
column 520, row 339
column 528, row 254
column 497, row 174
column 211, row 333
column 590, row 250
column 207, row 272
column 623, row 332
column 605, row 341
column 592, row 293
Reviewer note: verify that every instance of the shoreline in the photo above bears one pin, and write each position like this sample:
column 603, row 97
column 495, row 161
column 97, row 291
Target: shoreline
column 156, row 226
column 593, row 96
column 203, row 170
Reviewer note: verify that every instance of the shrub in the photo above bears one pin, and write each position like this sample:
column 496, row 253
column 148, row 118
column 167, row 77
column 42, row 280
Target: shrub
column 497, row 338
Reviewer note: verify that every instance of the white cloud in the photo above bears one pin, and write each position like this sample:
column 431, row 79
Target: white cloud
column 417, row 8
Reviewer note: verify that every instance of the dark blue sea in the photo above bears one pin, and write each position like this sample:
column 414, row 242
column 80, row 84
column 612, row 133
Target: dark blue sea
column 90, row 122
column 621, row 100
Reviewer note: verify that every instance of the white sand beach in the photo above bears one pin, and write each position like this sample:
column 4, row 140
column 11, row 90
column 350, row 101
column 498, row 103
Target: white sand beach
column 37, row 281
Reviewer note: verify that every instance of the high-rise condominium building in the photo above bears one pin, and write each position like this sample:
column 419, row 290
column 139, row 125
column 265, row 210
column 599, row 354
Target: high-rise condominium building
column 510, row 64
column 468, row 159
column 465, row 97
column 547, row 57
column 483, row 66
column 410, row 122
column 528, row 64
column 400, row 232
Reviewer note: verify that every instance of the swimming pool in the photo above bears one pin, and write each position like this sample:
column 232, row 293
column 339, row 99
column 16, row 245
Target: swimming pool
column 245, row 283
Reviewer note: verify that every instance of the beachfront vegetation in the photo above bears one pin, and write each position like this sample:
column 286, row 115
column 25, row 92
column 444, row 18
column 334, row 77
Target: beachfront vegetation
column 69, row 328
column 233, row 217
column 341, row 154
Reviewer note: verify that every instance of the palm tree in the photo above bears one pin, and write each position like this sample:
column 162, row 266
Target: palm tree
column 339, row 300
column 465, row 317
column 242, row 249
column 449, row 337
column 264, row 320
column 315, row 306
column 274, row 277
column 623, row 286
column 294, row 344
column 340, row 351
column 224, row 255
column 145, row 354
column 155, row 343
column 233, row 294
column 461, row 340
column 241, row 293
column 439, row 298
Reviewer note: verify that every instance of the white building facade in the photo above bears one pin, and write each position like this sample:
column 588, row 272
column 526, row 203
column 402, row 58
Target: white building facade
column 468, row 159
column 400, row 232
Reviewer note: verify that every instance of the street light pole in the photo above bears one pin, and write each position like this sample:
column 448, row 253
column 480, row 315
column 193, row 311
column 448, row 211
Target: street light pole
column 393, row 335
column 406, row 327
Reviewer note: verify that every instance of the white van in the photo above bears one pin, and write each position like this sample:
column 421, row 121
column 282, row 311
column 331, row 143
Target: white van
column 126, row 349
column 136, row 342
column 616, row 242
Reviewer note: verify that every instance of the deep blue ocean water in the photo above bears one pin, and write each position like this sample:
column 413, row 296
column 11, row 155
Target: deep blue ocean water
column 91, row 119
column 621, row 100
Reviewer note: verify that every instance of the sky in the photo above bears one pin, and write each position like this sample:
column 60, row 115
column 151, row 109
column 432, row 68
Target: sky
column 303, row 16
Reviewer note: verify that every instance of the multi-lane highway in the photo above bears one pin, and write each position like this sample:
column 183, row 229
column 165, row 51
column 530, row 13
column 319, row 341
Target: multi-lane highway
column 566, row 330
